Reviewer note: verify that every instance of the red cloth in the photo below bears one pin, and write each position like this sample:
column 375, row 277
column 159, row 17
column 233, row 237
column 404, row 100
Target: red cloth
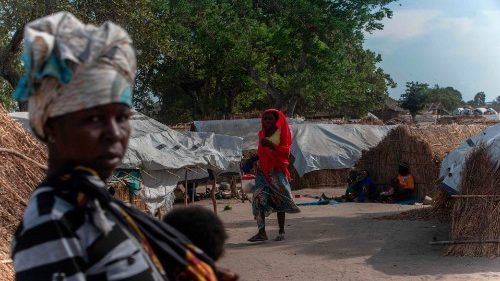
column 277, row 159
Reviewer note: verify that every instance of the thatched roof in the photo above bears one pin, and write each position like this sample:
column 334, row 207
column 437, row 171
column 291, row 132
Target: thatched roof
column 392, row 104
column 423, row 147
column 18, row 178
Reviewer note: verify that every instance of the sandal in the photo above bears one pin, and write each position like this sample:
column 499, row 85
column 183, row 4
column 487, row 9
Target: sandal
column 258, row 238
column 280, row 237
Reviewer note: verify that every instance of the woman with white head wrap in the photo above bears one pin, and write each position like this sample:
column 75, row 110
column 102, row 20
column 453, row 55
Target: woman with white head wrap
column 78, row 82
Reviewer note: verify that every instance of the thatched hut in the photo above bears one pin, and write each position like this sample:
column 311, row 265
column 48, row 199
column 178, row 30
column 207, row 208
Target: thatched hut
column 18, row 178
column 476, row 212
column 390, row 110
column 319, row 178
column 423, row 147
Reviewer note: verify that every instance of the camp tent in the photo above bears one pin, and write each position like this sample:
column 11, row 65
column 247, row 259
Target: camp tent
column 244, row 128
column 315, row 146
column 453, row 163
column 166, row 156
column 163, row 156
column 330, row 146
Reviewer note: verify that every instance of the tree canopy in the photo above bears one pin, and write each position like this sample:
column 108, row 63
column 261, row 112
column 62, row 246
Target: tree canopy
column 418, row 95
column 414, row 97
column 212, row 58
column 480, row 99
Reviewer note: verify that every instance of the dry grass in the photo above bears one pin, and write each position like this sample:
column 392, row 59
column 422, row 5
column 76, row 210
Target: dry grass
column 18, row 178
column 440, row 211
column 319, row 179
column 477, row 218
column 123, row 193
column 369, row 120
column 423, row 147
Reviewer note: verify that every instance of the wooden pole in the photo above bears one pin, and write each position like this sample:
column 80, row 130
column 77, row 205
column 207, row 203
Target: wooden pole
column 476, row 196
column 214, row 186
column 463, row 242
column 186, row 188
column 194, row 193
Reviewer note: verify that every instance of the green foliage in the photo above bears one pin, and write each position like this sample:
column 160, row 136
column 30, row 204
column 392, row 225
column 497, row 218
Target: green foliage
column 5, row 96
column 417, row 95
column 212, row 58
column 414, row 98
column 479, row 99
column 496, row 103
column 448, row 97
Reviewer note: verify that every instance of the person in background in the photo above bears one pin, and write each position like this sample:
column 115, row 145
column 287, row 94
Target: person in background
column 404, row 185
column 272, row 189
column 367, row 187
column 351, row 192
column 78, row 82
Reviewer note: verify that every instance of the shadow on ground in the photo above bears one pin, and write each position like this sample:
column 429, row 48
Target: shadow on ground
column 397, row 248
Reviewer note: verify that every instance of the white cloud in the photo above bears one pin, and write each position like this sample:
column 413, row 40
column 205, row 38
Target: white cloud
column 406, row 24
column 437, row 47
column 457, row 25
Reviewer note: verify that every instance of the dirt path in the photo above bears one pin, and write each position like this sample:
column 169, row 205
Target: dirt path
column 344, row 242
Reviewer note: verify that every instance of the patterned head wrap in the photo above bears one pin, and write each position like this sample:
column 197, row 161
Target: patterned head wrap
column 70, row 66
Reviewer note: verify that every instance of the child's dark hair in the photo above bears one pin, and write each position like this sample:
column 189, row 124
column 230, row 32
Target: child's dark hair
column 404, row 169
column 201, row 226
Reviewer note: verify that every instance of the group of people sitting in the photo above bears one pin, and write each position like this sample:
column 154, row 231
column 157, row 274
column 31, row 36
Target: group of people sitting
column 362, row 188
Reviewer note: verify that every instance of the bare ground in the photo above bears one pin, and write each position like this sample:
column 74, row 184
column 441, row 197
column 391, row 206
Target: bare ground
column 345, row 242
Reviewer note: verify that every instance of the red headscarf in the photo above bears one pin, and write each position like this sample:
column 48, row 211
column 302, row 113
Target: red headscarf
column 277, row 159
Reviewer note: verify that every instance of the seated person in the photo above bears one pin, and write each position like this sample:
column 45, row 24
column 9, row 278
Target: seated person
column 352, row 190
column 405, row 184
column 387, row 195
column 368, row 187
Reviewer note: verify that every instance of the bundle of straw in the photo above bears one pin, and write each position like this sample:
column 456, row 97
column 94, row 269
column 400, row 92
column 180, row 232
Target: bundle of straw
column 369, row 120
column 422, row 147
column 319, row 178
column 18, row 178
column 124, row 194
column 476, row 220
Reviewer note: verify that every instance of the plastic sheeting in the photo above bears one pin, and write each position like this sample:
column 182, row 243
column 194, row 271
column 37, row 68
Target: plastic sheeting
column 330, row 146
column 164, row 155
column 154, row 146
column 243, row 128
column 22, row 118
column 315, row 146
column 453, row 163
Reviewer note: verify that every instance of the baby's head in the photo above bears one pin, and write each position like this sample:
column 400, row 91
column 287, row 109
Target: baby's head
column 201, row 226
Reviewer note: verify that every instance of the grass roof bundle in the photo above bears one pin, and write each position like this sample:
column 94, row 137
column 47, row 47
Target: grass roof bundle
column 422, row 147
column 18, row 178
column 476, row 219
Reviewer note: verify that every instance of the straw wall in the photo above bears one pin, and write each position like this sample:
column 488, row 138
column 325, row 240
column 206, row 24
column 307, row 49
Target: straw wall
column 477, row 218
column 123, row 193
column 18, row 178
column 423, row 147
column 319, row 179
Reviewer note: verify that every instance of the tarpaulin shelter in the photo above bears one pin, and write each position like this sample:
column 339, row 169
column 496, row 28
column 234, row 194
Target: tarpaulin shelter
column 453, row 164
column 163, row 156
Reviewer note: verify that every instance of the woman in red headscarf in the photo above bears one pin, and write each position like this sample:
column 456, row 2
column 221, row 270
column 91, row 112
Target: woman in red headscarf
column 272, row 189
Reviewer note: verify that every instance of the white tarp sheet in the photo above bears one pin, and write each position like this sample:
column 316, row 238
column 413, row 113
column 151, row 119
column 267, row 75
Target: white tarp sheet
column 243, row 128
column 453, row 163
column 163, row 155
column 315, row 146
column 330, row 146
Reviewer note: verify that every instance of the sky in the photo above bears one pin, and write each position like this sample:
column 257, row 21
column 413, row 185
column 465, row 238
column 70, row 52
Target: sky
column 446, row 42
